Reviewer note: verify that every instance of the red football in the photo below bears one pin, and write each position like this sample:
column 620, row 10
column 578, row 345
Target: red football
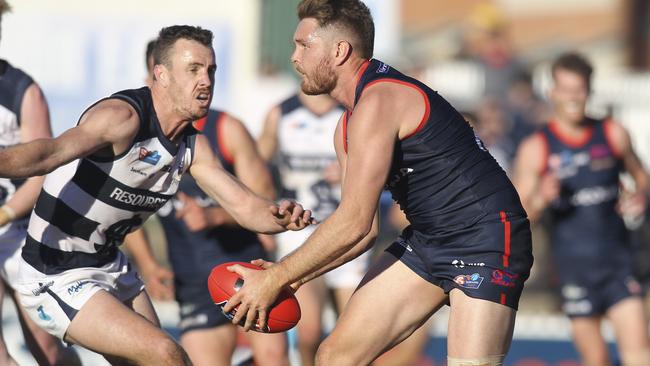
column 222, row 284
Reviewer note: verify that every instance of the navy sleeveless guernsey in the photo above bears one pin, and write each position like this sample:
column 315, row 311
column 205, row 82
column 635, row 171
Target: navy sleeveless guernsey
column 585, row 223
column 468, row 228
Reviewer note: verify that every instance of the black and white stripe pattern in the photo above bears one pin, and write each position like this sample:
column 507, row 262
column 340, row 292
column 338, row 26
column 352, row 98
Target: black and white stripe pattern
column 87, row 206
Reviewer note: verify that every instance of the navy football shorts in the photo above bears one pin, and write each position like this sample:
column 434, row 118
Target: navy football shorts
column 488, row 260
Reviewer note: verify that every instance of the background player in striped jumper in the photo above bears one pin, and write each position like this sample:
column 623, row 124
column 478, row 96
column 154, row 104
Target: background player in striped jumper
column 400, row 134
column 297, row 140
column 571, row 169
column 119, row 165
column 201, row 235
column 24, row 116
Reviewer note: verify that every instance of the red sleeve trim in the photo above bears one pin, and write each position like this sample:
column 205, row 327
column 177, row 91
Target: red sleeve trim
column 221, row 139
column 607, row 127
column 427, row 104
column 346, row 115
column 199, row 124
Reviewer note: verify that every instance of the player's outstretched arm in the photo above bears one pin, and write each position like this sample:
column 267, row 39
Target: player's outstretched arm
column 34, row 124
column 109, row 125
column 249, row 209
column 372, row 132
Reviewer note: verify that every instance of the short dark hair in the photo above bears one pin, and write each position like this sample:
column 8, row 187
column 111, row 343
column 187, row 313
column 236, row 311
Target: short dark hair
column 575, row 63
column 149, row 52
column 352, row 15
column 169, row 35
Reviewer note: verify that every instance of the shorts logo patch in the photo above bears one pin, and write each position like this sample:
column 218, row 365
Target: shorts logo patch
column 472, row 281
column 76, row 287
column 505, row 279
column 42, row 315
column 42, row 287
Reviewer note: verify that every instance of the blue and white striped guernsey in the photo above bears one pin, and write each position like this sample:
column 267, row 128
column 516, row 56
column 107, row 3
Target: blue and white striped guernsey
column 87, row 206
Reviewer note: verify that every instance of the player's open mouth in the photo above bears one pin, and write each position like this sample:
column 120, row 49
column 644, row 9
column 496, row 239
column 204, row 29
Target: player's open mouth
column 203, row 98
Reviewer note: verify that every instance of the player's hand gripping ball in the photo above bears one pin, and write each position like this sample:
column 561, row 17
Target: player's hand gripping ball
column 222, row 284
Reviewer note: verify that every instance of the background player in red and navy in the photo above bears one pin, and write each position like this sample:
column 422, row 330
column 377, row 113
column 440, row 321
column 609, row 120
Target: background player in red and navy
column 24, row 116
column 469, row 241
column 201, row 235
column 571, row 169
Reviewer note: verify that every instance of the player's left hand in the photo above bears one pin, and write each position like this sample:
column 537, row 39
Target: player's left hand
column 291, row 215
column 632, row 205
column 266, row 265
column 254, row 298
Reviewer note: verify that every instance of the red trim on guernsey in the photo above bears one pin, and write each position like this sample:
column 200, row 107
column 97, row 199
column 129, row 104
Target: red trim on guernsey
column 346, row 114
column 607, row 127
column 571, row 141
column 506, row 240
column 362, row 70
column 220, row 137
column 427, row 105
column 503, row 299
column 546, row 152
column 199, row 124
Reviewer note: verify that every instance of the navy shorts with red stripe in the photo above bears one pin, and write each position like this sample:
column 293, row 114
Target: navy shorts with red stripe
column 489, row 260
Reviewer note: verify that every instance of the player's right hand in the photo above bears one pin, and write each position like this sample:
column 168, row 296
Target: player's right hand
column 159, row 282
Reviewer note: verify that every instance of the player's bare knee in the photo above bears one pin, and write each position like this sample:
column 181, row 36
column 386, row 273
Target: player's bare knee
column 496, row 360
column 168, row 352
column 271, row 356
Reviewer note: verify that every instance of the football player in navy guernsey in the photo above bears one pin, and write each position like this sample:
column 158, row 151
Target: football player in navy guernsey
column 570, row 170
column 462, row 208
column 120, row 164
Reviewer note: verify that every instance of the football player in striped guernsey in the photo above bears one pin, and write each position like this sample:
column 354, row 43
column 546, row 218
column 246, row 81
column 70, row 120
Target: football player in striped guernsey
column 121, row 163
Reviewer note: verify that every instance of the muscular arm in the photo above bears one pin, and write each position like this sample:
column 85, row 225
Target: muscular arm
column 110, row 124
column 34, row 124
column 620, row 138
column 267, row 143
column 536, row 189
column 249, row 209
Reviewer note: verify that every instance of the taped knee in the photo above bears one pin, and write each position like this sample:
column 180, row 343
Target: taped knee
column 480, row 361
column 637, row 358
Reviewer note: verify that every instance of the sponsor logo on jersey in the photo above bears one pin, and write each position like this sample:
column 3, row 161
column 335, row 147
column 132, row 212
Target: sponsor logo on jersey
column 137, row 199
column 472, row 281
column 149, row 157
column 505, row 279
column 383, row 68
column 396, row 178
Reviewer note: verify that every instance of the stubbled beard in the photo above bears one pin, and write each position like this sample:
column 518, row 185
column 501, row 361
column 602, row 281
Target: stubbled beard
column 323, row 80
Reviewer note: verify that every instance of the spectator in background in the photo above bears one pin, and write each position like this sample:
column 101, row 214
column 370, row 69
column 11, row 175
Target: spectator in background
column 571, row 169
column 493, row 126
column 527, row 111
column 489, row 45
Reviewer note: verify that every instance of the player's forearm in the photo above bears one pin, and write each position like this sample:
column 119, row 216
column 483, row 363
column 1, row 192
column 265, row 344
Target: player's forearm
column 334, row 238
column 25, row 197
column 534, row 207
column 27, row 160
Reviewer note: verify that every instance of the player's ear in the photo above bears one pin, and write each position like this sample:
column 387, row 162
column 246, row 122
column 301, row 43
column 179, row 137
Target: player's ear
column 161, row 75
column 342, row 50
